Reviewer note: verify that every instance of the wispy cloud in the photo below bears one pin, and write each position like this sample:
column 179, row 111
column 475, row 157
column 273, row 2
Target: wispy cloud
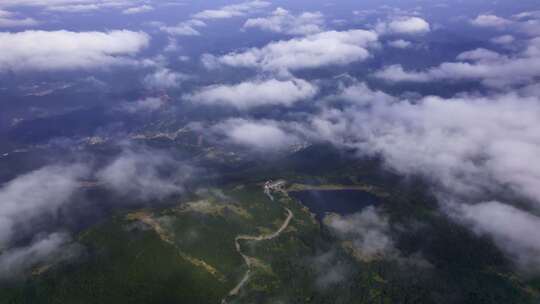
column 234, row 10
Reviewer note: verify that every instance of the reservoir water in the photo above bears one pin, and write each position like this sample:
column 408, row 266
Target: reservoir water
column 335, row 201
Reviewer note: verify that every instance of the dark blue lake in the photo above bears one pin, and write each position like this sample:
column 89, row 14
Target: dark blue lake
column 335, row 201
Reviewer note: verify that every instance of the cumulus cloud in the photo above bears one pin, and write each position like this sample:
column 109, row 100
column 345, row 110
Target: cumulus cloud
column 43, row 251
column 144, row 175
column 403, row 25
column 489, row 67
column 9, row 19
column 479, row 55
column 318, row 50
column 400, row 44
column 198, row 20
column 64, row 50
column 164, row 78
column 396, row 73
column 514, row 230
column 282, row 21
column 488, row 20
column 265, row 135
column 138, row 10
column 234, row 10
column 359, row 94
column 35, row 194
column 186, row 28
column 256, row 93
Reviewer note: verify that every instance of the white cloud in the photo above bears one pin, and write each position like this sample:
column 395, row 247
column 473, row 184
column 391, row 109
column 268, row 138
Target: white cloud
column 525, row 23
column 527, row 15
column 30, row 196
column 9, row 19
column 360, row 94
column 70, row 6
column 468, row 146
column 322, row 49
column 64, row 50
column 484, row 143
column 43, row 193
column 514, row 230
column 189, row 27
column 400, row 44
column 138, row 10
column 490, row 21
column 186, row 28
column 465, row 144
column 282, row 21
column 396, row 73
column 504, row 39
column 172, row 46
column 142, row 175
column 369, row 236
column 489, row 67
column 480, row 55
column 404, row 25
column 234, row 10
column 368, row 230
column 164, row 78
column 53, row 248
column 251, row 94
column 264, row 135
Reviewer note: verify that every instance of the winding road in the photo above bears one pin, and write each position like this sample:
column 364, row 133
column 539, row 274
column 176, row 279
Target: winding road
column 247, row 259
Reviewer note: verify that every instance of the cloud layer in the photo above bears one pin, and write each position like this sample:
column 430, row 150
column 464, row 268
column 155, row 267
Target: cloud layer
column 404, row 25
column 469, row 147
column 489, row 67
column 70, row 6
